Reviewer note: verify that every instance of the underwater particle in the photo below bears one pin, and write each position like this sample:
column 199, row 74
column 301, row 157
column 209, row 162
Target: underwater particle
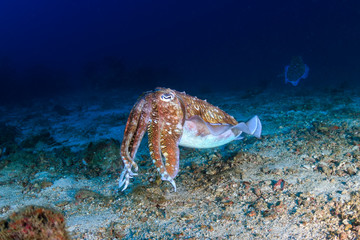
column 34, row 222
column 296, row 71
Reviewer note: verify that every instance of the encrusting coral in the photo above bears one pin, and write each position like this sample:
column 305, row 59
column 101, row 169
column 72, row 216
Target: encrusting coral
column 35, row 223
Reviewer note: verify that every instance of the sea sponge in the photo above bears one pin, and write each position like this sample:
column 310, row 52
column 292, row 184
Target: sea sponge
column 35, row 223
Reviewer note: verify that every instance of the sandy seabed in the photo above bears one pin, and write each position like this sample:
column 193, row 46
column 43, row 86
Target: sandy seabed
column 301, row 180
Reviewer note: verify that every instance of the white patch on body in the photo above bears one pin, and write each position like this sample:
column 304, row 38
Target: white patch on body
column 197, row 137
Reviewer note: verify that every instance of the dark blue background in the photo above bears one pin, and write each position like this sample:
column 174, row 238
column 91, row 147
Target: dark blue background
column 49, row 47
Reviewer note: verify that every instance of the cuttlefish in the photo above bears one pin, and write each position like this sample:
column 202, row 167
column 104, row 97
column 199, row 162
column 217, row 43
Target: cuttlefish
column 296, row 71
column 174, row 119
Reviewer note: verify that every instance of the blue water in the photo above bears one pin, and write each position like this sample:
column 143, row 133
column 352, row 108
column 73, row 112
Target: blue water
column 50, row 48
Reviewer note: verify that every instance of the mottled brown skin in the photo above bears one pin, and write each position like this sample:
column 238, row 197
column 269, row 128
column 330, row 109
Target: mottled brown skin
column 163, row 113
column 203, row 109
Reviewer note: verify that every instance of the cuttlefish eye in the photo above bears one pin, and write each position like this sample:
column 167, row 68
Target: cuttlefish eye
column 167, row 97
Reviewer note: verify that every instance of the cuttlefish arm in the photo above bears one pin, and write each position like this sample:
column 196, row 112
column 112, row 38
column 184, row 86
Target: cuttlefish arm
column 164, row 133
column 134, row 132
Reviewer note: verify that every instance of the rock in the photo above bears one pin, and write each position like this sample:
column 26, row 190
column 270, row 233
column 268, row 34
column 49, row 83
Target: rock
column 85, row 194
column 351, row 171
column 324, row 169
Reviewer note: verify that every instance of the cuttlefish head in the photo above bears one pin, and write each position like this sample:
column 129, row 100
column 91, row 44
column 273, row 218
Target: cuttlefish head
column 169, row 105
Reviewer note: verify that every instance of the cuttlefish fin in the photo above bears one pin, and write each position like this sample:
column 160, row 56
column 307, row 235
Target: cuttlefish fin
column 252, row 127
column 306, row 73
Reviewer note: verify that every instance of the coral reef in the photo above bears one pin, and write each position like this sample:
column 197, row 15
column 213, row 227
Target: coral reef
column 35, row 223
